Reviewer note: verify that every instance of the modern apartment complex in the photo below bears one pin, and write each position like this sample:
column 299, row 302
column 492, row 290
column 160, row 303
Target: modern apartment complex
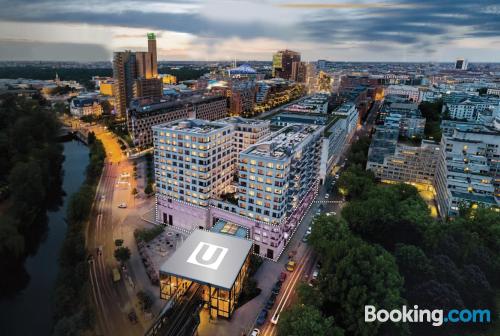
column 407, row 91
column 468, row 172
column 391, row 161
column 144, row 114
column 233, row 172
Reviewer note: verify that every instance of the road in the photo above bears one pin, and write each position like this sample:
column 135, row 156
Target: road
column 305, row 256
column 113, row 301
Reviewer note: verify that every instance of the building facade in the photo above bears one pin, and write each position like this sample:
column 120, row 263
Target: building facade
column 406, row 164
column 143, row 116
column 468, row 172
column 205, row 175
column 283, row 63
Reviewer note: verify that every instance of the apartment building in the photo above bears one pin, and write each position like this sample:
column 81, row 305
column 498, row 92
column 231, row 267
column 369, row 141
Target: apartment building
column 407, row 91
column 146, row 113
column 406, row 163
column 468, row 172
column 199, row 184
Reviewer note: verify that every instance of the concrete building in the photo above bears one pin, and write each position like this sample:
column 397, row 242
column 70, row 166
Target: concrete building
column 145, row 113
column 106, row 88
column 198, row 184
column 283, row 63
column 468, row 172
column 406, row 116
column 148, row 88
column 316, row 103
column 411, row 93
column 124, row 74
column 350, row 112
column 461, row 64
column 406, row 163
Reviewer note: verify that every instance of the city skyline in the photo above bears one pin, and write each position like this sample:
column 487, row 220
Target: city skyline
column 223, row 30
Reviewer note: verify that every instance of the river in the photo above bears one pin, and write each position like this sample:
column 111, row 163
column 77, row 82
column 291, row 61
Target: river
column 29, row 312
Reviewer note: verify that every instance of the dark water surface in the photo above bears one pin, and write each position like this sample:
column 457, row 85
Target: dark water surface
column 29, row 312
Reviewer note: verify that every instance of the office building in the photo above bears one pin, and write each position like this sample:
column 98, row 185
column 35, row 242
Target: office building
column 145, row 113
column 283, row 64
column 461, row 64
column 148, row 88
column 153, row 53
column 468, row 172
column 124, row 74
column 403, row 163
column 135, row 74
column 106, row 87
column 411, row 93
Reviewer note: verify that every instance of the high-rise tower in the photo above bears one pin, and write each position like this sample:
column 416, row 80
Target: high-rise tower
column 152, row 50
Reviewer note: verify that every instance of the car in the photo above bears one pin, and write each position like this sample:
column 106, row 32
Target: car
column 327, row 196
column 309, row 230
column 276, row 287
column 90, row 258
column 282, row 277
column 332, row 213
column 270, row 301
column 318, row 212
column 122, row 205
column 103, row 197
column 305, row 238
column 255, row 332
column 261, row 319
column 290, row 266
column 337, row 176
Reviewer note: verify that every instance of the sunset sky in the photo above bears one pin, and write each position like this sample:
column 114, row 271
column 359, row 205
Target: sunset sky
column 413, row 30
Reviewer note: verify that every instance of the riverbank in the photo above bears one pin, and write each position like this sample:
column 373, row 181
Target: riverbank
column 41, row 268
column 73, row 313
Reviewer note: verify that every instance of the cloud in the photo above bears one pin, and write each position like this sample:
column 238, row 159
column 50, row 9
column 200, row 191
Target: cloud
column 395, row 28
column 26, row 50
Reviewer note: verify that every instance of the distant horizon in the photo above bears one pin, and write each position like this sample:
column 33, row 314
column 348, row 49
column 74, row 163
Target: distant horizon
column 251, row 61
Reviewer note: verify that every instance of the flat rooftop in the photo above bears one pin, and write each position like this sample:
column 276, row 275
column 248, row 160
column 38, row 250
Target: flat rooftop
column 282, row 143
column 194, row 126
column 209, row 258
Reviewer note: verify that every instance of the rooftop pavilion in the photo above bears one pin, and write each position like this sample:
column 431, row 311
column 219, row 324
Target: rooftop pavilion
column 216, row 263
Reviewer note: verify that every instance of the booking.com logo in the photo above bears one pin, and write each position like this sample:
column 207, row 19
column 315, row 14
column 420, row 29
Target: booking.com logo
column 437, row 316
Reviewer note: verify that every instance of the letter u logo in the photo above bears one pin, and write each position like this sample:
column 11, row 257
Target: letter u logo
column 207, row 255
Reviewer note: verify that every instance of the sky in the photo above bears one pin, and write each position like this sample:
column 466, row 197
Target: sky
column 402, row 30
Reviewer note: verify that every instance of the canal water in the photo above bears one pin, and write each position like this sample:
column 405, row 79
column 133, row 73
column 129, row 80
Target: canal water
column 29, row 312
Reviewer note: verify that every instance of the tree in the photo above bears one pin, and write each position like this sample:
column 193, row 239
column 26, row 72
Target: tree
column 388, row 215
column 302, row 320
column 122, row 254
column 145, row 300
column 354, row 274
column 355, row 182
column 413, row 265
column 149, row 189
column 358, row 155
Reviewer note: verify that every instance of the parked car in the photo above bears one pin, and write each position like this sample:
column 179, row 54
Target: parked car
column 261, row 319
column 327, row 196
column 305, row 238
column 255, row 332
column 277, row 287
column 290, row 266
column 337, row 176
column 270, row 301
column 282, row 277
column 122, row 205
